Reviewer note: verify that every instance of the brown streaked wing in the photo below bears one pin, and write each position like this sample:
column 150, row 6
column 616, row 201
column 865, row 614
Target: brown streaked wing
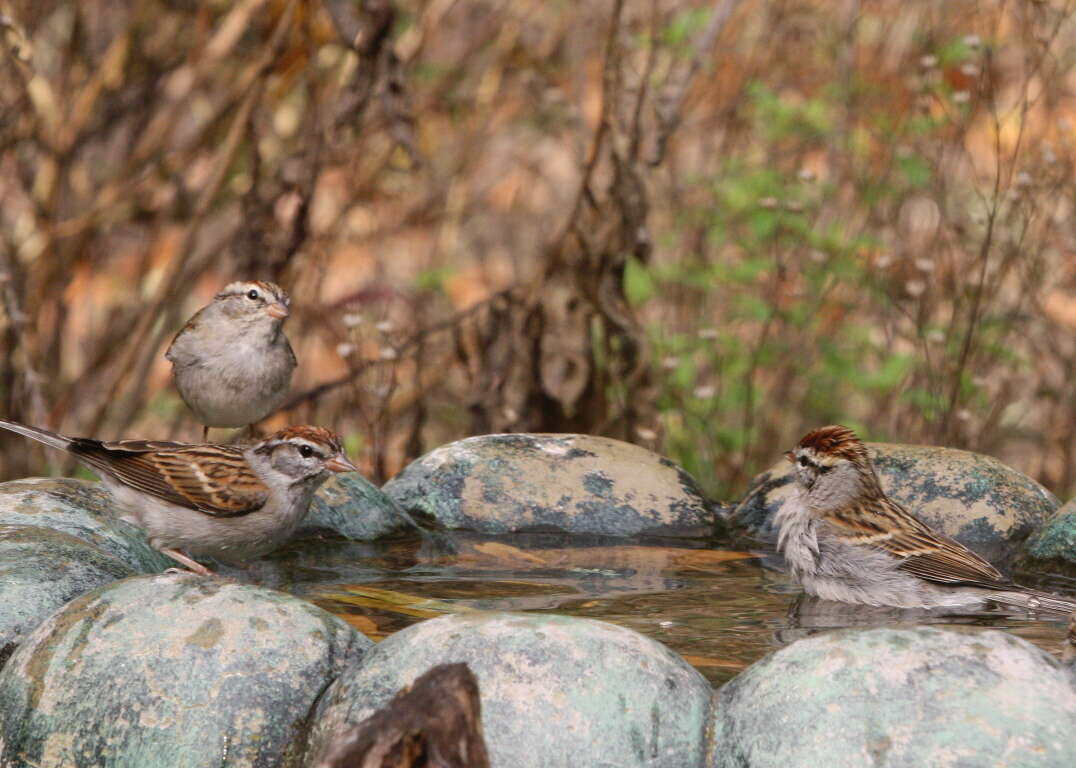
column 142, row 446
column 923, row 552
column 212, row 479
column 216, row 480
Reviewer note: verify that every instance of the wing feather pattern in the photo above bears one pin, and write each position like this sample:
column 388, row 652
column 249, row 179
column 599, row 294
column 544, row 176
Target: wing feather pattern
column 923, row 552
column 215, row 479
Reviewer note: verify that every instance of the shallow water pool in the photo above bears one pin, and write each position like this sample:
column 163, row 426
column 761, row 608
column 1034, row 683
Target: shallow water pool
column 721, row 609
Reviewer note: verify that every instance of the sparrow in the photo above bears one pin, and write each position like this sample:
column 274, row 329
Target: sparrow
column 229, row 502
column 845, row 540
column 232, row 362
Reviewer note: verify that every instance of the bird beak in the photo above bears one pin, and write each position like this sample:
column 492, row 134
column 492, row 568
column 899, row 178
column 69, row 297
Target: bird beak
column 277, row 310
column 340, row 463
column 790, row 457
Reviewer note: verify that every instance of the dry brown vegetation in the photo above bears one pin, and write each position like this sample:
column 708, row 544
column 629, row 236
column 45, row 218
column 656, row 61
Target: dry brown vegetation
column 704, row 227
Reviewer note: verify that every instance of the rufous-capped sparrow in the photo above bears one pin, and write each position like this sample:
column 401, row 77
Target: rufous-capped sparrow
column 845, row 540
column 229, row 502
column 232, row 361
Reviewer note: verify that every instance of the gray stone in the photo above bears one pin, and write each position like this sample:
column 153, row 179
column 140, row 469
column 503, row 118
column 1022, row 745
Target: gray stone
column 976, row 499
column 1053, row 546
column 898, row 697
column 40, row 570
column 556, row 691
column 171, row 670
column 353, row 507
column 82, row 509
column 571, row 483
column 59, row 538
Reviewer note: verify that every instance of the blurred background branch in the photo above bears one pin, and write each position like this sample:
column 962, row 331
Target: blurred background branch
column 700, row 226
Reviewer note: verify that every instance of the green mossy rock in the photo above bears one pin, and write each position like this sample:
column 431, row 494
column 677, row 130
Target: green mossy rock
column 82, row 509
column 556, row 692
column 1053, row 546
column 898, row 697
column 40, row 570
column 351, row 506
column 976, row 499
column 59, row 538
column 173, row 670
column 555, row 483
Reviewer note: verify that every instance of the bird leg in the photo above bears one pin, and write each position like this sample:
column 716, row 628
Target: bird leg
column 205, row 434
column 192, row 565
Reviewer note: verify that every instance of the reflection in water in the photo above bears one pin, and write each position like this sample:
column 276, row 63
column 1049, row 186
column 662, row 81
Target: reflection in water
column 720, row 609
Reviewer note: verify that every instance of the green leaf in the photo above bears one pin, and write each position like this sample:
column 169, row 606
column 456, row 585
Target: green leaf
column 892, row 372
column 684, row 24
column 638, row 282
column 752, row 307
column 683, row 376
column 433, row 279
column 915, row 169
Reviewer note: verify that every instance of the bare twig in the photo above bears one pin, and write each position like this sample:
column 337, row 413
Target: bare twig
column 669, row 110
column 143, row 347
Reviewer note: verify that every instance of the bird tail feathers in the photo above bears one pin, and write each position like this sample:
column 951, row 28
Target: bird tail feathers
column 41, row 435
column 1033, row 600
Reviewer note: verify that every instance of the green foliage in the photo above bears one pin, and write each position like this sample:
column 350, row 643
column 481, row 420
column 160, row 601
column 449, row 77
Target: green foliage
column 433, row 278
column 809, row 118
column 638, row 283
column 684, row 25
column 789, row 294
column 353, row 444
column 915, row 170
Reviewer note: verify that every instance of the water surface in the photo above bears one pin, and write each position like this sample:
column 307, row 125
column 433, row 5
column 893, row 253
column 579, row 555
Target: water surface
column 721, row 609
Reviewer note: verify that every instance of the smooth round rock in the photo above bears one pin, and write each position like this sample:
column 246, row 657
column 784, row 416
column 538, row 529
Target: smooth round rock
column 172, row 670
column 353, row 507
column 1053, row 546
column 40, row 570
column 571, row 483
column 982, row 503
column 82, row 509
column 895, row 697
column 556, row 691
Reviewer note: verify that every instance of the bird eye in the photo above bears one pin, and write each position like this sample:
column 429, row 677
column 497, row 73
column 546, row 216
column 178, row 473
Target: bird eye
column 803, row 461
column 253, row 294
column 306, row 451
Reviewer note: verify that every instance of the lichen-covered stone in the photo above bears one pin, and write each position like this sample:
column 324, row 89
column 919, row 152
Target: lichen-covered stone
column 353, row 507
column 917, row 697
column 40, row 570
column 572, row 483
column 1053, row 546
column 555, row 691
column 976, row 499
column 60, row 538
column 82, row 509
column 172, row 670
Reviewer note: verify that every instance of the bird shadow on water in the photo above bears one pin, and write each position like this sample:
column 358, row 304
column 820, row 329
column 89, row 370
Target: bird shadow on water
column 721, row 609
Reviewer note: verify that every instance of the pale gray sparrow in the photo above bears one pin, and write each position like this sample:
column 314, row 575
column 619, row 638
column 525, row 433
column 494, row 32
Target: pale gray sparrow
column 845, row 540
column 232, row 503
column 232, row 361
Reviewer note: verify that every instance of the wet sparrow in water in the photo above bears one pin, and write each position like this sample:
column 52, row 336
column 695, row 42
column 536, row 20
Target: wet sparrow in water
column 232, row 361
column 845, row 540
column 233, row 503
